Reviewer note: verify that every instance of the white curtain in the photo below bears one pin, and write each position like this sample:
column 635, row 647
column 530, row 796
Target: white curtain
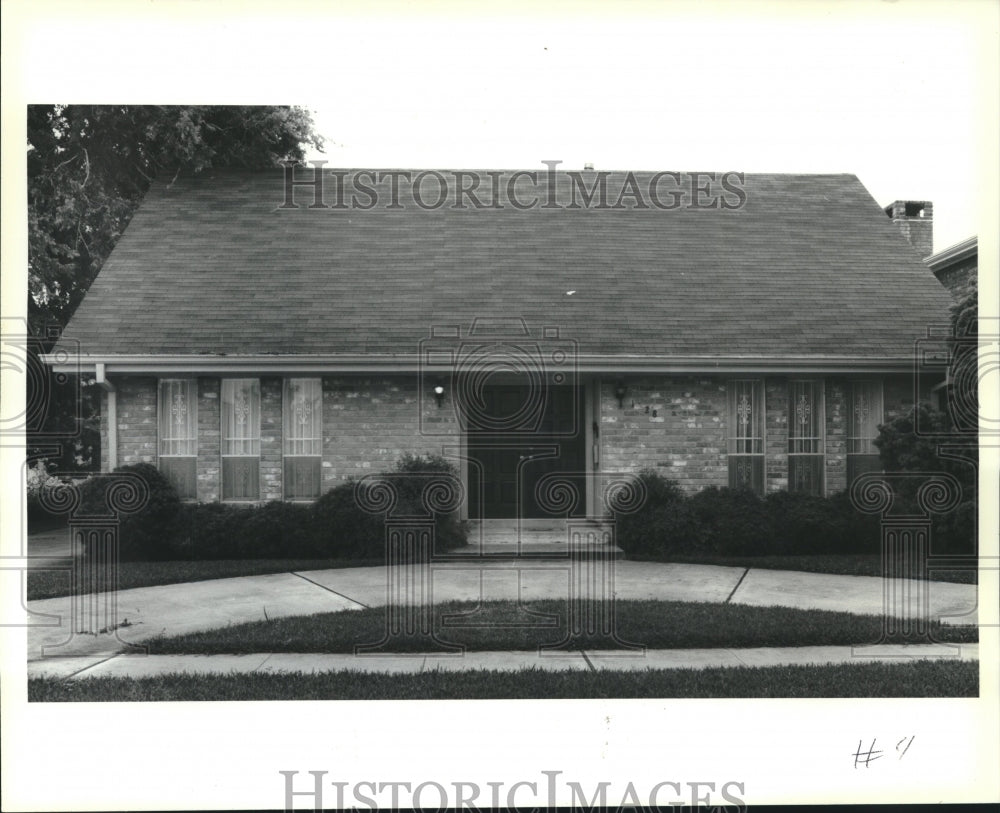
column 303, row 416
column 178, row 417
column 241, row 417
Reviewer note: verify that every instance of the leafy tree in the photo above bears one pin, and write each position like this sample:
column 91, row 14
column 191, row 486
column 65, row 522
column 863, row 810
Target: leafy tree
column 947, row 441
column 89, row 167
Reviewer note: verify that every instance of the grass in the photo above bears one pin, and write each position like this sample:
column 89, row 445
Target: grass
column 655, row 624
column 54, row 583
column 917, row 679
column 854, row 564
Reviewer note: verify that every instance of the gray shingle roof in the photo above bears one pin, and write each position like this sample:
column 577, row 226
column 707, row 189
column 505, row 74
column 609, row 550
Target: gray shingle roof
column 809, row 266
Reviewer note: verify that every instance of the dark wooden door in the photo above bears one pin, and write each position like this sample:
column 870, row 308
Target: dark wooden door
column 513, row 446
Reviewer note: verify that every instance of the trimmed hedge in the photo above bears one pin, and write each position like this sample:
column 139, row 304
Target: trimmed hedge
column 725, row 521
column 334, row 526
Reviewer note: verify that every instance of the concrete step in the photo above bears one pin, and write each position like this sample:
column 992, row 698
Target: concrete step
column 537, row 539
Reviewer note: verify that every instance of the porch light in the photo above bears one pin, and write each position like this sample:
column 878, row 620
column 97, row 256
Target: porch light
column 439, row 394
column 620, row 392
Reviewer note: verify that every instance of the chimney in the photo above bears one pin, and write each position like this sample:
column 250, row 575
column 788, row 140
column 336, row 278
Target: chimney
column 915, row 218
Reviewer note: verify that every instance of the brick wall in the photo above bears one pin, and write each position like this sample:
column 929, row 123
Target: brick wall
column 136, row 421
column 957, row 277
column 673, row 424
column 685, row 440
column 835, row 395
column 368, row 423
column 776, row 437
column 271, row 465
column 209, row 439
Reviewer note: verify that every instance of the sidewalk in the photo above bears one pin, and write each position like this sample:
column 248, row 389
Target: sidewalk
column 191, row 607
column 138, row 665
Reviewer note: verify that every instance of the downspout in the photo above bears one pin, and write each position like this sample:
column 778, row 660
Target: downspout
column 111, row 461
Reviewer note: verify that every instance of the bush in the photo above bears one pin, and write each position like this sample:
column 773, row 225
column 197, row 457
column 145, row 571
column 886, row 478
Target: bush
column 665, row 522
column 273, row 530
column 736, row 522
column 146, row 534
column 342, row 527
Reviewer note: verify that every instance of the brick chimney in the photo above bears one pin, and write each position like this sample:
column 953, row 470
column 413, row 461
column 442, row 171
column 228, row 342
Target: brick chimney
column 915, row 218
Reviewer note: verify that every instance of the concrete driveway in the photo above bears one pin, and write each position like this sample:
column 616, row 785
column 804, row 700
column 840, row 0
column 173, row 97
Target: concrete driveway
column 190, row 607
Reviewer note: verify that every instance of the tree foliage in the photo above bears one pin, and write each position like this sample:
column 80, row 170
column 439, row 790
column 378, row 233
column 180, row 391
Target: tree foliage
column 90, row 165
column 928, row 440
column 88, row 169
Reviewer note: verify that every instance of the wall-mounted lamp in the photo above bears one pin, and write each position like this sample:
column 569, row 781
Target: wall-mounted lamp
column 620, row 392
column 439, row 394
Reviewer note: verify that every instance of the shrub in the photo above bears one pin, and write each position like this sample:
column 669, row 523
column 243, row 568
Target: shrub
column 664, row 523
column 342, row 527
column 273, row 530
column 734, row 521
column 146, row 534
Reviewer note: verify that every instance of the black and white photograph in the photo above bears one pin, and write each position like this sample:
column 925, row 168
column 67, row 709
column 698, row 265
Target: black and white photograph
column 470, row 406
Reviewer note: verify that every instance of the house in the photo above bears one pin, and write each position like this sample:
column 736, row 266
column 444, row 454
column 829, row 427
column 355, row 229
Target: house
column 957, row 266
column 265, row 336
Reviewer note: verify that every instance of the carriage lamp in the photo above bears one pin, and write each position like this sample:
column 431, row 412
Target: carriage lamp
column 439, row 394
column 620, row 391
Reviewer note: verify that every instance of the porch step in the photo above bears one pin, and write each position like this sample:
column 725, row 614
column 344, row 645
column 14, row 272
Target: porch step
column 536, row 539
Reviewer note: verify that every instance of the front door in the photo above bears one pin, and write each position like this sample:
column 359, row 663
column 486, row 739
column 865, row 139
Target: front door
column 518, row 436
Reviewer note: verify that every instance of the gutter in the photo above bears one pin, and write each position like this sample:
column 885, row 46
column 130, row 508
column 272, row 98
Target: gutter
column 953, row 254
column 179, row 364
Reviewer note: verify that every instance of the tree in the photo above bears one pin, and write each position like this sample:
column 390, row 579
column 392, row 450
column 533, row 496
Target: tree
column 89, row 167
column 947, row 441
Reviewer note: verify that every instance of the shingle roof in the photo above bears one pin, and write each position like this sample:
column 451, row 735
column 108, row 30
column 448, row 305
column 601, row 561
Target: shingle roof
column 809, row 266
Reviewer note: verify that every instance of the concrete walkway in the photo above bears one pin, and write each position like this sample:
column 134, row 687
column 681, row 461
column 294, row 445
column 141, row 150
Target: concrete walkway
column 182, row 608
column 139, row 666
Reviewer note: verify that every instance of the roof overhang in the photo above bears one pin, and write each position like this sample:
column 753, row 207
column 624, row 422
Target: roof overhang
column 267, row 364
column 953, row 254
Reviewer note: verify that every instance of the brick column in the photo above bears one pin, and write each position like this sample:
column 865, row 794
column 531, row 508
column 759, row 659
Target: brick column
column 776, row 428
column 209, row 440
column 137, row 421
column 836, row 435
column 270, row 439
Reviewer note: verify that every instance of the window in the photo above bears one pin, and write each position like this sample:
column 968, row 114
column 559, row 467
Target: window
column 806, row 425
column 745, row 443
column 178, row 424
column 303, row 437
column 240, row 439
column 864, row 416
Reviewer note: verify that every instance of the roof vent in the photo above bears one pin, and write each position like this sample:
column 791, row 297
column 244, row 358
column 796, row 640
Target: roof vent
column 588, row 167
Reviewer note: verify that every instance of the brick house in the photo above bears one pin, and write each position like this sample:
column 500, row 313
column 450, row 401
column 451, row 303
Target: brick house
column 957, row 266
column 260, row 339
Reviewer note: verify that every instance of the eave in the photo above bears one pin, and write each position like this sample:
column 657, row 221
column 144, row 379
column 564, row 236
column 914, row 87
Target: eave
column 953, row 254
column 206, row 364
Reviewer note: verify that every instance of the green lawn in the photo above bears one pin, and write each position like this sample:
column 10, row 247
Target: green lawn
column 856, row 564
column 655, row 624
column 53, row 583
column 918, row 679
